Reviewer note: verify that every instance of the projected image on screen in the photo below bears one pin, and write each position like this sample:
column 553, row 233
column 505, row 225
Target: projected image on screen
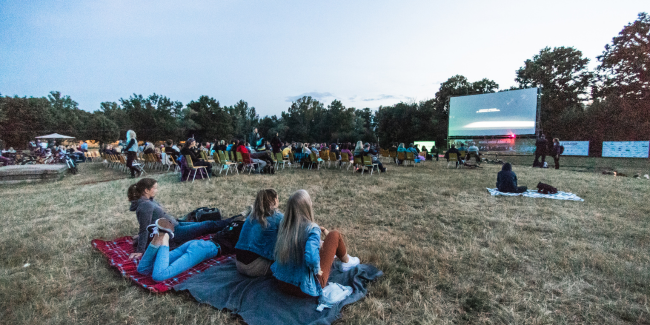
column 505, row 113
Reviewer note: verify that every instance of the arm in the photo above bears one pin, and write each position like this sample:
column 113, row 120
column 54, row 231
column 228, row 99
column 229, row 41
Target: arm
column 144, row 215
column 312, row 250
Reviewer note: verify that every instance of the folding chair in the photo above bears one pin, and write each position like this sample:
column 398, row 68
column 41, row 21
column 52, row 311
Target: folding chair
column 410, row 157
column 333, row 159
column 191, row 167
column 367, row 162
column 453, row 158
column 247, row 161
column 316, row 160
column 226, row 164
column 402, row 156
column 279, row 160
column 345, row 159
column 358, row 162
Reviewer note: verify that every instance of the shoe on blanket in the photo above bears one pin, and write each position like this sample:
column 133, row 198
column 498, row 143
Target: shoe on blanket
column 161, row 225
column 352, row 262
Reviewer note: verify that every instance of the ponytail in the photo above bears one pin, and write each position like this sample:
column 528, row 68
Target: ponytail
column 136, row 190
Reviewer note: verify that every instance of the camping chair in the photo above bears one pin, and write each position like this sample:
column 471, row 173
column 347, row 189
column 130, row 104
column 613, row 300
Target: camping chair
column 225, row 163
column 279, row 160
column 367, row 162
column 345, row 159
column 333, row 159
column 472, row 161
column 453, row 158
column 402, row 156
column 246, row 161
column 392, row 155
column 171, row 162
column 314, row 159
column 410, row 157
column 191, row 167
column 89, row 156
column 292, row 161
column 325, row 156
column 357, row 163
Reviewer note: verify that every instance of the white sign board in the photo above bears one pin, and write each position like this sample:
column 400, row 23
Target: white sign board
column 575, row 148
column 629, row 149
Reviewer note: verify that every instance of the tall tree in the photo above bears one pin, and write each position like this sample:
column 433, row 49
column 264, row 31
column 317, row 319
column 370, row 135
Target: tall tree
column 624, row 69
column 214, row 120
column 562, row 74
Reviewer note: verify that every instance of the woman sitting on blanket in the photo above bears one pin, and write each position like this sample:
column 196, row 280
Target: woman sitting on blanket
column 148, row 211
column 302, row 264
column 258, row 235
column 507, row 180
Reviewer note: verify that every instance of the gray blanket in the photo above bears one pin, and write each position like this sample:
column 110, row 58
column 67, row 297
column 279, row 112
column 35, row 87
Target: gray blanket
column 259, row 301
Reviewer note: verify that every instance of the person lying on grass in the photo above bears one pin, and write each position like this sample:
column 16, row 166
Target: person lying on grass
column 254, row 249
column 148, row 211
column 302, row 266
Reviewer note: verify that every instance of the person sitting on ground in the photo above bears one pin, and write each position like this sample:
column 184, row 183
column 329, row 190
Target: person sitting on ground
column 244, row 150
column 453, row 150
column 367, row 151
column 507, row 180
column 188, row 150
column 302, row 265
column 254, row 250
column 141, row 195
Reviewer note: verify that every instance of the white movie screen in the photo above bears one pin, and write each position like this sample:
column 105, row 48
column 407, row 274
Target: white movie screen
column 504, row 113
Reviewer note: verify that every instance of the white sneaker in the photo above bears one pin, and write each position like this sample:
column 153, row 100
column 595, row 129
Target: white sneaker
column 352, row 262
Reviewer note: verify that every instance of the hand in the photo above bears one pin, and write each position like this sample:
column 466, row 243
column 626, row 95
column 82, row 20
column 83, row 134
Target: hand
column 324, row 231
column 135, row 256
column 320, row 272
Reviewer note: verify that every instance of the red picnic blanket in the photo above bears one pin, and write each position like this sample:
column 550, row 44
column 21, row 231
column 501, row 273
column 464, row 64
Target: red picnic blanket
column 117, row 251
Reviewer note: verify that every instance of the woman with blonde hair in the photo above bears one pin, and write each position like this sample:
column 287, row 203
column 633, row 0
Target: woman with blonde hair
column 302, row 265
column 131, row 152
column 254, row 249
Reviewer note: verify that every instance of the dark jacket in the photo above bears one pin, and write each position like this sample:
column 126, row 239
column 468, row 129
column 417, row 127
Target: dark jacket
column 191, row 153
column 452, row 150
column 507, row 179
column 147, row 211
column 541, row 145
column 276, row 144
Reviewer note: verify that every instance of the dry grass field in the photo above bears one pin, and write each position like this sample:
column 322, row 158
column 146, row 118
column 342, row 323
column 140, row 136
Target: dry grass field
column 451, row 253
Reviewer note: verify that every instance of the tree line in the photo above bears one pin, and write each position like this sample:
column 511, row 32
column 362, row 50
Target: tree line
column 611, row 103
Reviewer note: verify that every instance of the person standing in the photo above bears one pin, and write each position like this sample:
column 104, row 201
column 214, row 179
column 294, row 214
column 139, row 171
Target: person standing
column 255, row 136
column 540, row 150
column 556, row 152
column 131, row 152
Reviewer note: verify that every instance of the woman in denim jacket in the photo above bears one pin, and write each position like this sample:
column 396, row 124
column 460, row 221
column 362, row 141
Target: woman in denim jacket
column 302, row 265
column 256, row 243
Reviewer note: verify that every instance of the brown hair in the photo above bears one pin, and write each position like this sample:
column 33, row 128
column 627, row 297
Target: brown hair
column 136, row 190
column 263, row 206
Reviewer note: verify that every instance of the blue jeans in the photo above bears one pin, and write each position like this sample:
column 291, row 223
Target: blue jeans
column 189, row 230
column 163, row 264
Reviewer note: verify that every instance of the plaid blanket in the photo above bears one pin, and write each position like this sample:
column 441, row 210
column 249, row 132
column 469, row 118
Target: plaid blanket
column 117, row 251
column 532, row 193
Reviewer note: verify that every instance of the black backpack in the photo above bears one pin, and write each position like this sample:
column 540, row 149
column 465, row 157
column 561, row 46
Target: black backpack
column 546, row 189
column 204, row 214
column 227, row 237
column 561, row 150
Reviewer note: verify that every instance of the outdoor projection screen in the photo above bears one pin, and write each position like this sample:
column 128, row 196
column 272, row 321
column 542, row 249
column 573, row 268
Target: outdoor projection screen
column 505, row 113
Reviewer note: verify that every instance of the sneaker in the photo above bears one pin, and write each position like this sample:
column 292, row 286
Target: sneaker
column 352, row 262
column 162, row 225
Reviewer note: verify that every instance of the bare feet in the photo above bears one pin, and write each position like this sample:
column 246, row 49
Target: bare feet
column 345, row 258
column 160, row 239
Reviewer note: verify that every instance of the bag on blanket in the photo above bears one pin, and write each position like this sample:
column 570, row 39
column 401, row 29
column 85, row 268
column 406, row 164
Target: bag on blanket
column 227, row 237
column 204, row 214
column 546, row 189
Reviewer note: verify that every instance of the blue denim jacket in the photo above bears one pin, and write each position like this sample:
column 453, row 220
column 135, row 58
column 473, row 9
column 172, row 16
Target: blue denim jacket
column 261, row 241
column 303, row 275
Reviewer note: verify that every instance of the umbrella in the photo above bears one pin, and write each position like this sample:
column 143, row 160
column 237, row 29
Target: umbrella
column 54, row 136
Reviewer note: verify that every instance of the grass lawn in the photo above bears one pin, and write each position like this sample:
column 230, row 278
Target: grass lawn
column 451, row 253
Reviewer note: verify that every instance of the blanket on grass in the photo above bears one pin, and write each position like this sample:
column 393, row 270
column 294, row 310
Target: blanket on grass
column 532, row 193
column 117, row 251
column 260, row 301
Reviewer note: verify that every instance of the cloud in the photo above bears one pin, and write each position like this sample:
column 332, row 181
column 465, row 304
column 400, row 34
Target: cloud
column 381, row 97
column 314, row 94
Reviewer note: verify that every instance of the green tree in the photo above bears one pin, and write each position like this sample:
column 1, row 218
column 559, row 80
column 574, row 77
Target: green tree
column 562, row 74
column 244, row 118
column 624, row 69
column 102, row 129
column 213, row 119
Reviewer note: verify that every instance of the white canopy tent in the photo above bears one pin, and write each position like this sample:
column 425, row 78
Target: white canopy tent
column 54, row 136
